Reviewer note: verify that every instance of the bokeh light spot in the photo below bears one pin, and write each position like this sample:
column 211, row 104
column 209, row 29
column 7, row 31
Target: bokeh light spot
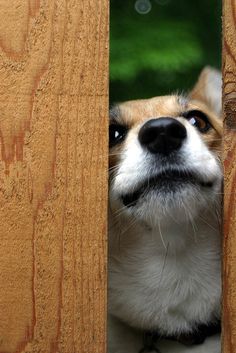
column 143, row 7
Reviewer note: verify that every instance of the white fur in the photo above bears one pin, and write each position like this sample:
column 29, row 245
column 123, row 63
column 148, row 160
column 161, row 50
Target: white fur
column 165, row 252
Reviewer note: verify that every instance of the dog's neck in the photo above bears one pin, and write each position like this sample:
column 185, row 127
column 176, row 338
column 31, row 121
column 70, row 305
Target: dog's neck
column 159, row 277
column 174, row 235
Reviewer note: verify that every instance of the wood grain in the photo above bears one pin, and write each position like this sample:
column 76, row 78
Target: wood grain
column 53, row 175
column 229, row 158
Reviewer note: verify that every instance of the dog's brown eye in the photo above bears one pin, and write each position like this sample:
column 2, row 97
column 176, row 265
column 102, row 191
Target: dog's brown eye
column 199, row 120
column 116, row 134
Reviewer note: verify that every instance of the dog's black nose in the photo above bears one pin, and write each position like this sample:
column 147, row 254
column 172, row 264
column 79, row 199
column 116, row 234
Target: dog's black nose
column 162, row 135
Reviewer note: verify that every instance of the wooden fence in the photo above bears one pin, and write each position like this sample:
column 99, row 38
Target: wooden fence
column 53, row 175
column 229, row 157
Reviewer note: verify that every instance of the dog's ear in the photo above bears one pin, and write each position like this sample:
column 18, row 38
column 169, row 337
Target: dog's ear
column 208, row 89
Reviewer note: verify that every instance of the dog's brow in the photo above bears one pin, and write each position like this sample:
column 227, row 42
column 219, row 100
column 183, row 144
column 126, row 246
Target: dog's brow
column 114, row 113
column 183, row 101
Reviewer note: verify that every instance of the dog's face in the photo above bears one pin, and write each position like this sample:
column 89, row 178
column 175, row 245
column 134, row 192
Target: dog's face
column 165, row 154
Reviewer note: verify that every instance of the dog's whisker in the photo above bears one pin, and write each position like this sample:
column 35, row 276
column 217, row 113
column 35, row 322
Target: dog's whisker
column 161, row 235
column 164, row 263
column 190, row 219
column 116, row 154
column 129, row 226
column 208, row 223
column 112, row 169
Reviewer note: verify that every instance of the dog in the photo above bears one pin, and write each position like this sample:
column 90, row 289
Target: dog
column 165, row 192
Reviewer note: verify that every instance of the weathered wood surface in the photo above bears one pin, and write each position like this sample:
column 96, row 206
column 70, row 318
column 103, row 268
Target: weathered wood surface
column 229, row 100
column 53, row 178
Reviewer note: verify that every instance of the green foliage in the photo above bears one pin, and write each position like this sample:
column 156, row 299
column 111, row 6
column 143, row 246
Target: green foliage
column 163, row 50
column 155, row 53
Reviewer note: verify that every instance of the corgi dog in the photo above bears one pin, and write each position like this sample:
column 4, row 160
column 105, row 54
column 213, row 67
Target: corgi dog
column 165, row 196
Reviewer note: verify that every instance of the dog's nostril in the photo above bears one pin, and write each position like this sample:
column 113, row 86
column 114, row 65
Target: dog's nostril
column 162, row 135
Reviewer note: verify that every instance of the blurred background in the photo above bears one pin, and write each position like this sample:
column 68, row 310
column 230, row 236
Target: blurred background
column 160, row 46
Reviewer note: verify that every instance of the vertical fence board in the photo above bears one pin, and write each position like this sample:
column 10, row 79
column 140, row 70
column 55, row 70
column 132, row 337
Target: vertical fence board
column 53, row 175
column 229, row 159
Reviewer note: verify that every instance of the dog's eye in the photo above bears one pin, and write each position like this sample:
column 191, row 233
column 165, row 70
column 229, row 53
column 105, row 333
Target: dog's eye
column 116, row 134
column 199, row 120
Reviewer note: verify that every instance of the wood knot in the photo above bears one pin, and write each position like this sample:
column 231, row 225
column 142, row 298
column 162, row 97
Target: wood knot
column 230, row 114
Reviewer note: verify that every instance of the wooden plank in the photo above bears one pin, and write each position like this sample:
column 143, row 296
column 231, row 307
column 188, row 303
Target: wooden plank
column 53, row 175
column 229, row 159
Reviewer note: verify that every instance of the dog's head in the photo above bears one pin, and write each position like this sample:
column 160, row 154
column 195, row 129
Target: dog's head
column 165, row 153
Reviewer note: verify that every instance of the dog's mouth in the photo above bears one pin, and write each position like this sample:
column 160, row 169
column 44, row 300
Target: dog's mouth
column 166, row 181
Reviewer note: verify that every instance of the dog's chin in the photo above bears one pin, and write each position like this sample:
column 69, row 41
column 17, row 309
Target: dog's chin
column 177, row 196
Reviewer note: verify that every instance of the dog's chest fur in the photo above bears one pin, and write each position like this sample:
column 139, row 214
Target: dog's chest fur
column 153, row 286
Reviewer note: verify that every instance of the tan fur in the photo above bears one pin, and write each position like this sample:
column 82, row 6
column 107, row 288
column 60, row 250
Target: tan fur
column 134, row 113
